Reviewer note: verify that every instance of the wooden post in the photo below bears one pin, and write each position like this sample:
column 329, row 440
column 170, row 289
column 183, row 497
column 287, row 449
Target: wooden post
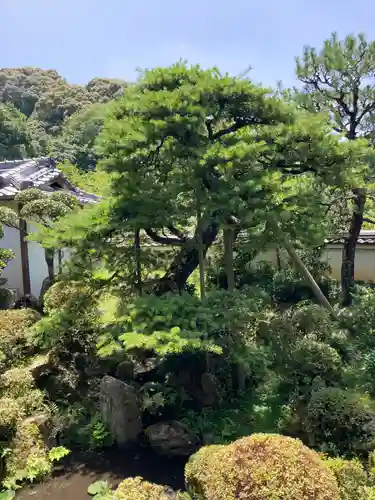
column 319, row 295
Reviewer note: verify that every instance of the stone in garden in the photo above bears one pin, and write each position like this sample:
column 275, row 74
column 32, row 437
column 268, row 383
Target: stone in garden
column 172, row 438
column 120, row 410
column 210, row 389
column 125, row 370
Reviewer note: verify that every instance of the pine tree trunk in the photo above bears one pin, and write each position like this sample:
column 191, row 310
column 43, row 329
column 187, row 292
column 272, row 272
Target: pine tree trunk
column 348, row 253
column 138, row 269
column 228, row 258
column 50, row 257
column 186, row 261
column 201, row 253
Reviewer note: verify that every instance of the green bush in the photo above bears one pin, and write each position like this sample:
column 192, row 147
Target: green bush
column 19, row 398
column 29, row 458
column 350, row 476
column 172, row 324
column 340, row 422
column 11, row 411
column 258, row 467
column 138, row 489
column 71, row 324
column 16, row 382
column 63, row 294
column 309, row 359
column 14, row 335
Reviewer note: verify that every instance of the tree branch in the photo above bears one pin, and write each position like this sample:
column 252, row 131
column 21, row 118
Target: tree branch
column 370, row 221
column 164, row 240
column 238, row 124
column 174, row 230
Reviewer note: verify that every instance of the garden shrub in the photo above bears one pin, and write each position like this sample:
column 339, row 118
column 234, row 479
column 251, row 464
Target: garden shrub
column 14, row 341
column 29, row 458
column 260, row 467
column 19, row 398
column 340, row 422
column 350, row 476
column 11, row 411
column 309, row 359
column 138, row 489
column 62, row 293
column 16, row 382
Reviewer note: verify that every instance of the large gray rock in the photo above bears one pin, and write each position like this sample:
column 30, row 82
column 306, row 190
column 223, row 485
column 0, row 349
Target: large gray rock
column 172, row 438
column 120, row 410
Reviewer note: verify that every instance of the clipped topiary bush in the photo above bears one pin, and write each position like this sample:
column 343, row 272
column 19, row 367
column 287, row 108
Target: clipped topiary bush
column 14, row 341
column 11, row 412
column 16, row 382
column 340, row 422
column 62, row 293
column 135, row 488
column 260, row 467
column 350, row 476
column 309, row 359
column 18, row 398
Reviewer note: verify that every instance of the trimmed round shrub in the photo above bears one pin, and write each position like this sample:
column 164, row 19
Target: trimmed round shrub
column 14, row 325
column 310, row 359
column 260, row 467
column 350, row 476
column 16, row 382
column 311, row 318
column 11, row 412
column 135, row 488
column 62, row 293
column 340, row 422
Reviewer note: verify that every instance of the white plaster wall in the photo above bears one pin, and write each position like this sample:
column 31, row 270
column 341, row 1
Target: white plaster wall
column 13, row 271
column 37, row 264
column 364, row 261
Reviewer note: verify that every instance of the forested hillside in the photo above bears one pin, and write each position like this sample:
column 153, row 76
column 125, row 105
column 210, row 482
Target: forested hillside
column 41, row 113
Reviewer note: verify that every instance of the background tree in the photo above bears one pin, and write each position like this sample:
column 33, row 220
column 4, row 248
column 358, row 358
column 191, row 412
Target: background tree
column 15, row 139
column 76, row 143
column 46, row 101
column 340, row 79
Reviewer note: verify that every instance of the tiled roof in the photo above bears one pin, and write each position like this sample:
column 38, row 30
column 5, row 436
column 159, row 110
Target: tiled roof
column 15, row 176
column 366, row 237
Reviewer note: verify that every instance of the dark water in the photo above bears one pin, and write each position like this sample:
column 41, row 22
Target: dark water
column 114, row 465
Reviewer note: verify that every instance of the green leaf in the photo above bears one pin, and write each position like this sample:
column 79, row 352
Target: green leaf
column 7, row 495
column 98, row 488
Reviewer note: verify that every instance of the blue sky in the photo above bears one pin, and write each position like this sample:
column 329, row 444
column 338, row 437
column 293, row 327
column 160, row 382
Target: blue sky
column 82, row 39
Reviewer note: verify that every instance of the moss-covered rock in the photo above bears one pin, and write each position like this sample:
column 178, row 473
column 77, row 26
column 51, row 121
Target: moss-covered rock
column 350, row 476
column 260, row 467
column 138, row 489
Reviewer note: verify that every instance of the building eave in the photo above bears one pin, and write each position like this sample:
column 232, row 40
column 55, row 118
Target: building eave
column 40, row 173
